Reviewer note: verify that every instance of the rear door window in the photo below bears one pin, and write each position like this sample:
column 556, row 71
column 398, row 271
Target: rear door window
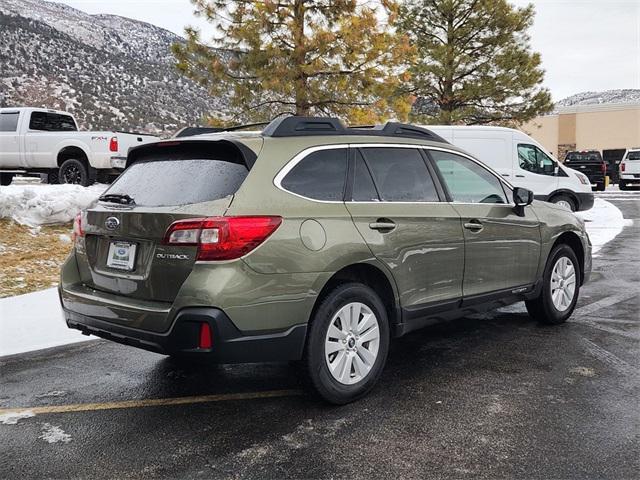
column 321, row 175
column 9, row 121
column 51, row 122
column 400, row 174
column 179, row 182
column 364, row 189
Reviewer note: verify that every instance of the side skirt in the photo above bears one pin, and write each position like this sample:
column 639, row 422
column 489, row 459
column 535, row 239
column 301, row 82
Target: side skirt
column 422, row 316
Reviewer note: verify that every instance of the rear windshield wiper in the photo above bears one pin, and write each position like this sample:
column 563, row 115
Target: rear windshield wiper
column 121, row 198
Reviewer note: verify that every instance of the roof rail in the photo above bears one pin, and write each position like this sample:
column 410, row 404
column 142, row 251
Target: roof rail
column 308, row 126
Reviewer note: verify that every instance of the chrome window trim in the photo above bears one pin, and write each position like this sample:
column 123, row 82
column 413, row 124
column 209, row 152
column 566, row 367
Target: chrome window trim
column 277, row 181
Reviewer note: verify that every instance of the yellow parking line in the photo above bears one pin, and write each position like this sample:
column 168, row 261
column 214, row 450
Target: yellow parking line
column 152, row 402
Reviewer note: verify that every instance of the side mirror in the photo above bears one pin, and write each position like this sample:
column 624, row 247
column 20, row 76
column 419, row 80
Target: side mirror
column 522, row 197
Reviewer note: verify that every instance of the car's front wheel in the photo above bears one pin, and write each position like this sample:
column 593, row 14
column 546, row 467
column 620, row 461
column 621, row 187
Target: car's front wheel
column 347, row 343
column 560, row 288
column 6, row 179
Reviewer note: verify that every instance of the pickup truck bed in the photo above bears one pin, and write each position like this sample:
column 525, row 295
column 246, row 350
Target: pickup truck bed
column 41, row 141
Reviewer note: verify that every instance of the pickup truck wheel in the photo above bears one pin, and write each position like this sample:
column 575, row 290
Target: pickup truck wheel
column 560, row 288
column 600, row 187
column 622, row 185
column 75, row 172
column 564, row 201
column 6, row 179
column 347, row 344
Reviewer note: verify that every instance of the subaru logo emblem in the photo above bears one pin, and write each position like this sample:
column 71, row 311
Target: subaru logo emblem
column 112, row 223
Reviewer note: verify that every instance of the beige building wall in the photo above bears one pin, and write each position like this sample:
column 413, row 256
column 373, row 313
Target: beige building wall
column 588, row 127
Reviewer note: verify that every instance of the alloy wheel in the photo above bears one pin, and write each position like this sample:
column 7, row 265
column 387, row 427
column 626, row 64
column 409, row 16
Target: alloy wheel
column 563, row 284
column 352, row 343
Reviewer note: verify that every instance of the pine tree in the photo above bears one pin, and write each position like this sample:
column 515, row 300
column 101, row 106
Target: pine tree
column 303, row 57
column 474, row 63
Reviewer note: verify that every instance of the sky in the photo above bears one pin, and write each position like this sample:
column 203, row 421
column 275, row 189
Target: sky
column 586, row 45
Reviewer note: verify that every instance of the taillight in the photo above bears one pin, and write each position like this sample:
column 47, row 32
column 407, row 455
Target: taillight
column 222, row 238
column 622, row 167
column 77, row 228
column 113, row 144
column 603, row 167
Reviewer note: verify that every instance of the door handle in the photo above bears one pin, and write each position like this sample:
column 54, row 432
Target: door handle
column 382, row 225
column 505, row 174
column 474, row 225
column 519, row 176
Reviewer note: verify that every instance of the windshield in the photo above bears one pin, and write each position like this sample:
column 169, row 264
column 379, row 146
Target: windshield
column 177, row 182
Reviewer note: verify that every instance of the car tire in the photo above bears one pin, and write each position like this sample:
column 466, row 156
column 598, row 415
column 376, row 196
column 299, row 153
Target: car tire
column 345, row 360
column 600, row 187
column 565, row 200
column 559, row 296
column 53, row 177
column 6, row 179
column 75, row 172
column 622, row 185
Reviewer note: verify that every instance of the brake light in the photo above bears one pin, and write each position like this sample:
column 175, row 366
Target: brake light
column 603, row 167
column 222, row 238
column 77, row 228
column 113, row 144
column 622, row 167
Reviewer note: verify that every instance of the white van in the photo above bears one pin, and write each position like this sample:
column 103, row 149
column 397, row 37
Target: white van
column 523, row 162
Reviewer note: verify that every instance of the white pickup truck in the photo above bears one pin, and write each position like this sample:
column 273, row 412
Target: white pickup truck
column 630, row 169
column 42, row 141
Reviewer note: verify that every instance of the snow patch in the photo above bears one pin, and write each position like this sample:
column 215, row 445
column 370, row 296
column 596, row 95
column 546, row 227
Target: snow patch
column 14, row 417
column 39, row 204
column 603, row 222
column 32, row 322
column 54, row 434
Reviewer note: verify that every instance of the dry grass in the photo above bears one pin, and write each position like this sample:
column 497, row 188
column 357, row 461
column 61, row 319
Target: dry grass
column 30, row 259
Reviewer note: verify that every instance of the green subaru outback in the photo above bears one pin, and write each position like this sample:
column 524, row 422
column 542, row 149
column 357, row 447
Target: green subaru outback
column 312, row 241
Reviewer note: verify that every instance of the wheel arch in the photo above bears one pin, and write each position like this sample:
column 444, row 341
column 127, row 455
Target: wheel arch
column 372, row 276
column 563, row 191
column 72, row 151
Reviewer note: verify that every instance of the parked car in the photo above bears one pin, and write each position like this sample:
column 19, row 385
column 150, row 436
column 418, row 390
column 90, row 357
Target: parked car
column 42, row 141
column 523, row 162
column 312, row 241
column 630, row 169
column 590, row 163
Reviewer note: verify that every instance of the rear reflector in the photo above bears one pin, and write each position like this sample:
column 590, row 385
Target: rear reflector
column 205, row 336
column 222, row 238
column 78, row 232
column 113, row 144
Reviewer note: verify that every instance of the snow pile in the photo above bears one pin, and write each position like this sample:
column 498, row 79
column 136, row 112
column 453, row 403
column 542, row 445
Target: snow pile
column 603, row 222
column 32, row 322
column 39, row 204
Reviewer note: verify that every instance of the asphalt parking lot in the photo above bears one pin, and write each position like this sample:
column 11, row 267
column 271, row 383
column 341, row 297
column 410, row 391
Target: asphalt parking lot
column 497, row 396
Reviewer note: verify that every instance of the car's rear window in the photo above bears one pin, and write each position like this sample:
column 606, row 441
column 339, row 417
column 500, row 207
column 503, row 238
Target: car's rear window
column 583, row 157
column 179, row 182
column 633, row 156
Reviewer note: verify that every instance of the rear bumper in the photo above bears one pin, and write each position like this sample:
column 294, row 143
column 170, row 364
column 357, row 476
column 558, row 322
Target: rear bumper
column 229, row 345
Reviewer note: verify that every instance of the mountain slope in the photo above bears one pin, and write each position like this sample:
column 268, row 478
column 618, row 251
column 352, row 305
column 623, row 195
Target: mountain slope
column 595, row 98
column 111, row 72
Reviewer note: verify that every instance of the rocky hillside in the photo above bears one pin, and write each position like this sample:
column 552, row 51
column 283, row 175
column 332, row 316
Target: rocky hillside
column 111, row 72
column 607, row 96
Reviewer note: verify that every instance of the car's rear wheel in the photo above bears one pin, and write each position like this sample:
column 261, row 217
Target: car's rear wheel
column 560, row 288
column 75, row 172
column 564, row 201
column 622, row 185
column 347, row 343
column 6, row 179
column 600, row 187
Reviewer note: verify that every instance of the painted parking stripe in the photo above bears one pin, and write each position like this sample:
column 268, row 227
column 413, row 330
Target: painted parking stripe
column 152, row 402
column 605, row 302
